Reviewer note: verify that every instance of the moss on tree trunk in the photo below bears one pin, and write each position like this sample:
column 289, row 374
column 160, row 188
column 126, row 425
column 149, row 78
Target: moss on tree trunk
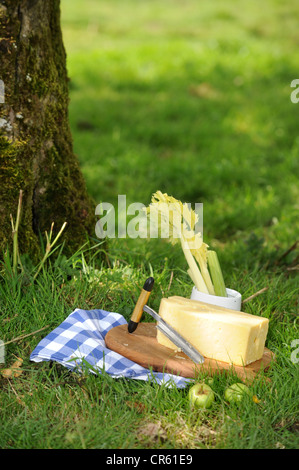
column 36, row 152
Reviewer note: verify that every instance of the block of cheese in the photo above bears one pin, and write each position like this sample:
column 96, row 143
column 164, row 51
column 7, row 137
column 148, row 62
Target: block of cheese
column 216, row 332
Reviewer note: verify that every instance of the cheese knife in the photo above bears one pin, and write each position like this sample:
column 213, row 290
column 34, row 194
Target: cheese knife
column 162, row 325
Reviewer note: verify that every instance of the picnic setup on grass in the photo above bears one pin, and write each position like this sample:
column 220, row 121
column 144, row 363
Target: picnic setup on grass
column 205, row 333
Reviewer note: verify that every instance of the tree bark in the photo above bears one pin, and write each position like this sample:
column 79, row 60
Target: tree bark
column 36, row 151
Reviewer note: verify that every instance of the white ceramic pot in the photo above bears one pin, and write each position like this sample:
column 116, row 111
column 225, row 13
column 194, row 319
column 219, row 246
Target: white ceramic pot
column 232, row 301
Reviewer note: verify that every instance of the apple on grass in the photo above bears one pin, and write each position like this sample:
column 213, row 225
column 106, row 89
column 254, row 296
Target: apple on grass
column 201, row 396
column 235, row 392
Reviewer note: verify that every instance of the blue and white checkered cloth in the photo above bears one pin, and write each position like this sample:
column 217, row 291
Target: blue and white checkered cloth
column 79, row 343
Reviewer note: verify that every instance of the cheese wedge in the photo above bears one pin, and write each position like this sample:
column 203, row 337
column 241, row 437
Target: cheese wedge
column 216, row 332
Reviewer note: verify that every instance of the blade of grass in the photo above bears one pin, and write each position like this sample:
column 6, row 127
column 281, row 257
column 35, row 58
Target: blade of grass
column 24, row 336
column 15, row 229
column 49, row 247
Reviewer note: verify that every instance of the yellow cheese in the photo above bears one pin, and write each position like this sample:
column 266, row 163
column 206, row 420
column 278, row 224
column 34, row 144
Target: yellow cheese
column 216, row 332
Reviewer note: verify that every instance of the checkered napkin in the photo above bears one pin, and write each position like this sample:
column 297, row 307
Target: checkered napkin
column 79, row 342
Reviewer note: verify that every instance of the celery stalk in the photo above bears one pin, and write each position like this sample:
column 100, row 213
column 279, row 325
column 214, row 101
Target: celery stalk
column 191, row 275
column 196, row 274
column 181, row 220
column 216, row 274
column 205, row 274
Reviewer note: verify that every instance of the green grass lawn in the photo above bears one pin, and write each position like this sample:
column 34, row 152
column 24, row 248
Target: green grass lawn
column 193, row 99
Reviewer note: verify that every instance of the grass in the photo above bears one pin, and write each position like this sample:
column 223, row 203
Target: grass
column 194, row 101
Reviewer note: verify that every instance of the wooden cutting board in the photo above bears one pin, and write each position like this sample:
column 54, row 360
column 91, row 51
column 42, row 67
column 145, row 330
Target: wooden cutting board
column 143, row 348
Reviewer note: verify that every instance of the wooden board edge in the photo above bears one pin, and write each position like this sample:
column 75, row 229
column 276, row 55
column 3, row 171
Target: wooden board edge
column 212, row 367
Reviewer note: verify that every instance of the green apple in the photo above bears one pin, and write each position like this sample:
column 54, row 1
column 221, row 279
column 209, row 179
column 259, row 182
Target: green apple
column 201, row 396
column 209, row 381
column 235, row 393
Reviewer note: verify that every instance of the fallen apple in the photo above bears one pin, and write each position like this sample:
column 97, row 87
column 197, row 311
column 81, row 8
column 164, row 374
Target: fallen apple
column 209, row 381
column 201, row 396
column 235, row 392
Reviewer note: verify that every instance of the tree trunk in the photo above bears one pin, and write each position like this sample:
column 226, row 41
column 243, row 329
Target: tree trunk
column 36, row 152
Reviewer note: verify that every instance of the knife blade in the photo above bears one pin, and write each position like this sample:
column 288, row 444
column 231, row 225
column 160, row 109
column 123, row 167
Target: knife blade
column 175, row 337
